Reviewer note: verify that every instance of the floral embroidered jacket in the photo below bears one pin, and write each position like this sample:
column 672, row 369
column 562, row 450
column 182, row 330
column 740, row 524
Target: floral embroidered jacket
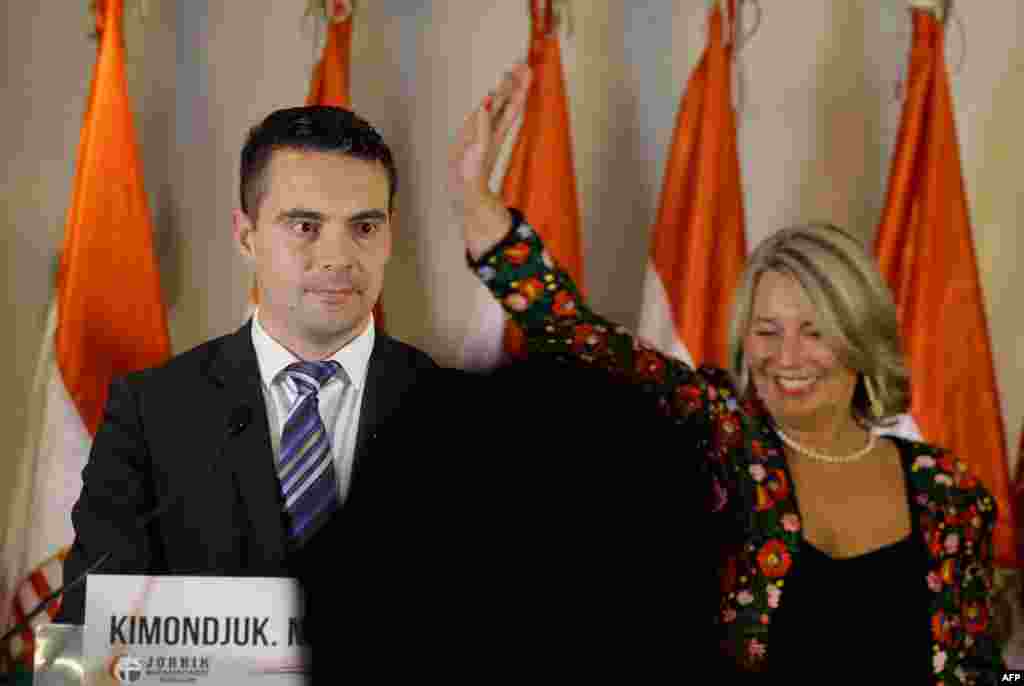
column 953, row 511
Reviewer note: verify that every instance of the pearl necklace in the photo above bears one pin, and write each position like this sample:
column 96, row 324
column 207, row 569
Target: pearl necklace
column 821, row 457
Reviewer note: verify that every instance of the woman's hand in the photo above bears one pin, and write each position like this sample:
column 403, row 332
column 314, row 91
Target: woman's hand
column 484, row 219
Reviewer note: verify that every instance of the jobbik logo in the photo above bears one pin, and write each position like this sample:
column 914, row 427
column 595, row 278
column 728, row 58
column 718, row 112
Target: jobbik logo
column 128, row 669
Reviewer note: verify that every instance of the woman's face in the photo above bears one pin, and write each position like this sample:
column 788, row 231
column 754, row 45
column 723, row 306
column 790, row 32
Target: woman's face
column 794, row 369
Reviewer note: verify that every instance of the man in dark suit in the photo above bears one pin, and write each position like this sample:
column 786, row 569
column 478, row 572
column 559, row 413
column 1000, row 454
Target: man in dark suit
column 228, row 459
column 482, row 525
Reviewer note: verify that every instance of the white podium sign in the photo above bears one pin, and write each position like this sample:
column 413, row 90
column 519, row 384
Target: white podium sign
column 194, row 630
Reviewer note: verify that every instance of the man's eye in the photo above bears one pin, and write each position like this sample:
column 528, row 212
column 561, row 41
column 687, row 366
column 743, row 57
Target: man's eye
column 305, row 228
column 764, row 333
column 365, row 228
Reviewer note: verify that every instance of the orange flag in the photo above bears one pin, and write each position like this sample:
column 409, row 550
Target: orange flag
column 926, row 253
column 1019, row 499
column 698, row 246
column 108, row 246
column 108, row 319
column 330, row 85
column 540, row 180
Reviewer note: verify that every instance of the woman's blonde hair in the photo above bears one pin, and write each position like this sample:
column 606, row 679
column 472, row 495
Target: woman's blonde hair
column 854, row 306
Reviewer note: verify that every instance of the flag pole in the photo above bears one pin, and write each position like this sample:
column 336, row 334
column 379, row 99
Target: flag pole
column 941, row 9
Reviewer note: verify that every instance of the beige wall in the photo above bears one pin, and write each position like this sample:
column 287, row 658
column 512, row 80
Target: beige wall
column 817, row 124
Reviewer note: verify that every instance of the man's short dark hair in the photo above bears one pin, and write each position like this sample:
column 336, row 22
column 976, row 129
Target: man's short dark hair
column 314, row 128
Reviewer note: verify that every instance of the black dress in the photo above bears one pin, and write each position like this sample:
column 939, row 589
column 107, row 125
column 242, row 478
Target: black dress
column 862, row 620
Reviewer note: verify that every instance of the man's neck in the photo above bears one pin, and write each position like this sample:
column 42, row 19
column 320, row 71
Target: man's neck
column 309, row 350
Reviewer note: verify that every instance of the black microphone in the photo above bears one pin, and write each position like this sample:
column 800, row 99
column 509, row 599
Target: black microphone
column 140, row 523
column 238, row 420
column 24, row 624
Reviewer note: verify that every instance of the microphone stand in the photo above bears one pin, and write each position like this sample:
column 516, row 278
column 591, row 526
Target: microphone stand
column 45, row 602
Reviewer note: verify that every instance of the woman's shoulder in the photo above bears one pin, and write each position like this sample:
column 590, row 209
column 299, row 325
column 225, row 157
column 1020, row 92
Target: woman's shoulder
column 710, row 382
column 939, row 477
column 717, row 377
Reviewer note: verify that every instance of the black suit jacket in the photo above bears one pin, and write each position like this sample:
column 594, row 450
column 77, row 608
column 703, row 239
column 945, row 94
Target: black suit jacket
column 191, row 439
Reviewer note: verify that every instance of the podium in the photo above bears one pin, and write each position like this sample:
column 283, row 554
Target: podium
column 198, row 630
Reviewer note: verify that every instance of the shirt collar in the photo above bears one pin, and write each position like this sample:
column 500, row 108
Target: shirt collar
column 354, row 357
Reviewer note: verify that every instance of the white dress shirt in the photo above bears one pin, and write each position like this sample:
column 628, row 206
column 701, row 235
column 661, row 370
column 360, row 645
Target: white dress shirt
column 340, row 398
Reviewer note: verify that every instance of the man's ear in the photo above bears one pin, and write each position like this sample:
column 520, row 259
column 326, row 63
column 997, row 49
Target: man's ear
column 242, row 228
column 392, row 218
column 392, row 211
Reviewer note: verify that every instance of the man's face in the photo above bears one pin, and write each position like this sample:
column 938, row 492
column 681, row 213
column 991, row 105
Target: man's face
column 319, row 245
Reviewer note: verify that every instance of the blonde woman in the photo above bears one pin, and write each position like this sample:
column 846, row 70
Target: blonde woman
column 864, row 555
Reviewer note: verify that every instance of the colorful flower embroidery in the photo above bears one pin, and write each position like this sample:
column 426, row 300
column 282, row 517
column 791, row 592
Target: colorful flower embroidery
column 729, row 434
column 587, row 338
column 518, row 253
column 964, row 478
column 686, row 399
column 947, row 570
column 952, row 544
column 564, row 305
column 650, row 365
column 772, row 487
column 935, row 542
column 517, row 302
column 531, row 288
column 777, row 485
column 774, row 593
column 924, row 462
column 791, row 522
column 976, row 616
column 774, row 559
column 942, row 627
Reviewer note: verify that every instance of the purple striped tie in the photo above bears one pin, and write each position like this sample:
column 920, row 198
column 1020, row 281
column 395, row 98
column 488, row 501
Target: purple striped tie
column 305, row 469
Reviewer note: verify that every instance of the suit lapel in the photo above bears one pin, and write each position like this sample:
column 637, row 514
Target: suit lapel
column 248, row 455
column 247, row 452
column 385, row 381
column 387, row 378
